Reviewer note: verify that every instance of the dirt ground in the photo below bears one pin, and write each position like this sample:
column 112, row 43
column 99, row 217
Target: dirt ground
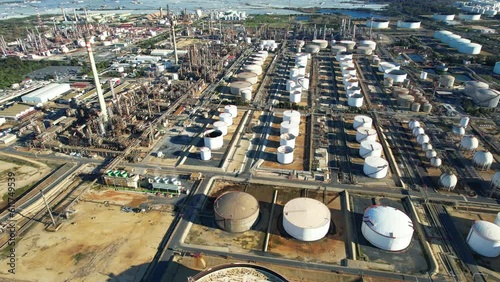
column 97, row 244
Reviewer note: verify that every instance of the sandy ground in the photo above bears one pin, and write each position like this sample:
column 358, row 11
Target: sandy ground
column 97, row 244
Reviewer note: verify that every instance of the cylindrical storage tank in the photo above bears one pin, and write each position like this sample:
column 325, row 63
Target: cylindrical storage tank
column 426, row 107
column 312, row 48
column 426, row 147
column 448, row 181
column 291, row 115
column 248, row 76
column 306, row 219
column 488, row 98
column 321, row 43
column 349, row 44
column 398, row 76
column 353, row 82
column 417, row 131
column 375, row 167
column 386, row 67
column 370, row 149
column 344, row 56
column 252, row 68
column 221, row 126
column 362, row 121
column 368, row 43
column 232, row 109
column 376, row 61
column 349, row 71
column 355, row 100
column 471, row 87
column 415, row 107
column 423, row 75
column 213, row 139
column 289, row 127
column 263, row 53
column 404, row 101
column 464, row 122
column 364, row 50
column 236, row 211
column 388, row 81
column 496, row 69
column 295, row 96
column 227, row 118
column 285, row 154
column 447, row 81
column 469, row 17
column 458, row 130
column 430, row 154
column 398, row 91
column 294, row 72
column 497, row 219
column 470, row 48
column 469, row 143
column 423, row 138
column 484, row 238
column 443, row 17
column 246, row 95
column 450, row 38
column 455, row 43
column 387, row 228
column 366, row 134
column 440, row 34
column 205, row 154
column 377, row 23
column 347, row 64
column 237, row 87
column 303, row 82
column 255, row 61
column 409, row 24
column 413, row 123
column 338, row 49
column 482, row 160
column 353, row 91
column 287, row 139
column 300, row 43
column 302, row 70
column 436, row 162
column 290, row 84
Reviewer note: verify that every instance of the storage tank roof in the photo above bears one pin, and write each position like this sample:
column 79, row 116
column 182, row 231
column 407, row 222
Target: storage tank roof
column 240, row 84
column 483, row 158
column 236, row 205
column 247, row 74
column 487, row 230
column 306, row 213
column 371, row 145
column 388, row 221
column 366, row 130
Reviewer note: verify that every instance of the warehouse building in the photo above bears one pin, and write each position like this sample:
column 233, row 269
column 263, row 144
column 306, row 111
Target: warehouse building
column 46, row 93
column 16, row 111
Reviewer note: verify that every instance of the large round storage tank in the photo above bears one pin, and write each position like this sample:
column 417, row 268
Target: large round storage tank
column 232, row 109
column 285, row 154
column 457, row 42
column 443, row 17
column 289, row 127
column 362, row 121
column 482, row 160
column 205, row 154
column 440, row 34
column 450, row 38
column 436, row 162
column 287, row 139
column 368, row 43
column 355, row 100
column 472, row 86
column 496, row 69
column 427, row 107
column 387, row 67
column 426, row 147
column 448, row 181
column 248, row 76
column 221, row 126
column 344, row 56
column 290, row 84
column 415, row 107
column 484, row 238
column 469, row 143
column 423, row 138
column 338, row 49
column 458, row 130
column 252, row 68
column 404, row 101
column 470, row 48
column 398, row 76
column 227, row 118
column 366, row 134
column 417, row 131
column 246, row 95
column 430, row 154
column 387, row 228
column 213, row 139
column 469, row 17
column 364, row 50
column 353, row 91
column 398, row 91
column 237, row 87
column 349, row 44
column 377, row 23
column 291, row 115
column 295, row 96
column 370, row 149
column 303, row 82
column 409, row 24
column 464, row 122
column 447, row 81
column 413, row 123
column 352, row 82
column 375, row 167
column 312, row 48
column 487, row 98
column 236, row 211
column 321, row 43
column 306, row 219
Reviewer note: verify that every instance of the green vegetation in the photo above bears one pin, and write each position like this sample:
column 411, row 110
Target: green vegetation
column 14, row 28
column 16, row 161
column 150, row 43
column 273, row 21
column 80, row 256
column 19, row 191
column 474, row 110
column 417, row 8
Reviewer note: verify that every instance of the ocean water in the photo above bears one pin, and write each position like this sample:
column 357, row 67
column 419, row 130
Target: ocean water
column 20, row 8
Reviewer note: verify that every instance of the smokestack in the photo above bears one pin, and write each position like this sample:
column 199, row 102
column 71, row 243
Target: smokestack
column 100, row 95
column 174, row 42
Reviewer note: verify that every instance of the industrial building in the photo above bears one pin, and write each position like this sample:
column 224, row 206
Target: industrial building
column 46, row 93
column 17, row 111
column 121, row 178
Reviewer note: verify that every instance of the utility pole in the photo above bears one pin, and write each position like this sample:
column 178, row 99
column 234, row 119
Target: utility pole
column 48, row 208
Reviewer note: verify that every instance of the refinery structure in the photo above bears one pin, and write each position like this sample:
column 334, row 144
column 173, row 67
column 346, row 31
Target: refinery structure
column 358, row 148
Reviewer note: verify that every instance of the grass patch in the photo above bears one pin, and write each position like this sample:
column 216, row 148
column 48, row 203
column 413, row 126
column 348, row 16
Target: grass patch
column 79, row 257
column 16, row 161
column 19, row 191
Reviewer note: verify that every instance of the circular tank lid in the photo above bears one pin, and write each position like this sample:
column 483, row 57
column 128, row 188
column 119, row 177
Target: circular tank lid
column 240, row 84
column 366, row 130
column 306, row 213
column 371, row 145
column 219, row 124
column 289, row 124
column 487, row 230
column 213, row 133
column 388, row 221
column 287, row 136
column 247, row 74
column 236, row 205
column 377, row 162
column 204, row 149
column 285, row 149
column 291, row 113
column 363, row 119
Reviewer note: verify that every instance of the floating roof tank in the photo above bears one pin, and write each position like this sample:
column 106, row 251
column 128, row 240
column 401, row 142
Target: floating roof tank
column 368, row 43
column 306, row 219
column 312, row 48
column 227, row 118
column 289, row 127
column 236, row 211
column 338, row 49
column 375, row 167
column 364, row 50
column 355, row 100
column 470, row 48
column 248, row 76
column 237, row 87
column 482, row 160
column 222, row 126
column 387, row 228
column 398, row 76
column 238, row 272
column 213, row 139
column 484, row 238
column 285, row 154
column 448, row 181
column 469, row 143
column 348, row 43
column 287, row 139
column 252, row 68
column 487, row 98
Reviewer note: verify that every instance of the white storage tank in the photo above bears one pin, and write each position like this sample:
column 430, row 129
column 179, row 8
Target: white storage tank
column 352, row 82
column 248, row 76
column 344, row 56
column 236, row 211
column 312, row 48
column 237, row 87
column 347, row 64
column 338, row 49
column 470, row 48
column 417, row 131
column 287, row 139
column 362, row 121
column 387, row 228
column 447, row 81
column 423, row 138
column 375, row 167
column 370, row 149
column 448, row 181
column 227, row 118
column 440, row 34
column 232, row 109
column 306, row 219
column 295, row 96
column 455, row 43
column 450, row 38
column 285, row 154
column 290, row 84
column 303, row 82
column 488, row 98
column 398, row 76
column 469, row 17
column 351, row 71
column 366, row 134
column 349, row 44
column 409, row 24
column 497, row 219
column 484, row 238
column 436, row 162
column 246, row 95
column 252, row 68
column 469, row 143
column 482, row 160
column 471, row 87
column 355, row 100
column 205, row 154
column 426, row 147
column 221, row 126
column 321, row 43
column 353, row 91
column 430, row 154
column 364, row 50
column 368, row 43
column 443, row 17
column 413, row 123
column 213, row 139
column 464, row 122
column 291, row 115
column 289, row 127
column 376, row 23
column 294, row 72
column 387, row 67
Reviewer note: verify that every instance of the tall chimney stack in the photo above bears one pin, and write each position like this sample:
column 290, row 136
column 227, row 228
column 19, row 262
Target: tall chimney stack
column 100, row 95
